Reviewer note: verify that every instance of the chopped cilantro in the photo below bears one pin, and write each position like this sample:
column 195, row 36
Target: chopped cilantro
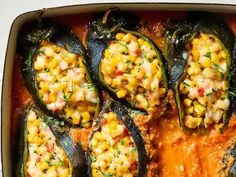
column 216, row 66
column 49, row 162
column 210, row 93
column 185, row 83
column 122, row 142
column 208, row 55
column 105, row 174
column 133, row 103
column 124, row 45
column 60, row 162
column 129, row 62
column 128, row 71
column 88, row 86
column 39, row 52
column 150, row 60
column 68, row 103
column 134, row 150
column 92, row 158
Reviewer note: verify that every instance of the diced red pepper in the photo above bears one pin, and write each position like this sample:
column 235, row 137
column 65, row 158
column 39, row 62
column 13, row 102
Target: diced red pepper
column 201, row 91
column 50, row 148
column 138, row 52
column 104, row 121
column 117, row 73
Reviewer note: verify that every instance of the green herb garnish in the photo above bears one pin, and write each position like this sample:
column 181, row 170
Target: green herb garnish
column 60, row 162
column 39, row 52
column 68, row 103
column 185, row 83
column 92, row 158
column 122, row 142
column 134, row 150
column 133, row 103
column 208, row 55
column 210, row 93
column 124, row 45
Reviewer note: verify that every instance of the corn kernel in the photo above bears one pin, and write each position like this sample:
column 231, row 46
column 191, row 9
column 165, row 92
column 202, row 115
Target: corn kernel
column 48, row 52
column 113, row 124
column 95, row 172
column 202, row 100
column 53, row 64
column 184, row 89
column 140, row 41
column 206, row 62
column 119, row 36
column 63, row 172
column 121, row 93
column 86, row 116
column 76, row 118
column 195, row 41
column 30, row 138
column 192, row 122
column 222, row 54
column 126, row 38
column 52, row 98
column 43, row 86
column 158, row 74
column 98, row 136
column 215, row 58
column 189, row 110
column 92, row 109
column 162, row 91
column 195, row 54
column 187, row 102
column 132, row 81
column 198, row 108
column 82, row 108
column 193, row 69
column 44, row 166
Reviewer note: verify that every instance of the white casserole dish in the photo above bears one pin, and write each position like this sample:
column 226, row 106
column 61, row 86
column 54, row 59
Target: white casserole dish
column 23, row 18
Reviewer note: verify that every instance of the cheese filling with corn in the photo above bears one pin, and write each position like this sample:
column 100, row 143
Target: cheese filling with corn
column 204, row 89
column 64, row 85
column 131, row 67
column 112, row 150
column 45, row 158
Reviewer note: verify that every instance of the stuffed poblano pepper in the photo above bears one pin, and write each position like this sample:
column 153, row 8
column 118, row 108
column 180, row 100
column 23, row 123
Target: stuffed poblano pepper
column 55, row 72
column 116, row 147
column 44, row 149
column 125, row 62
column 200, row 73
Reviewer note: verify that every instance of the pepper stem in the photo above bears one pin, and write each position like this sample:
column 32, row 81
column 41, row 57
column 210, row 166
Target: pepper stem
column 40, row 16
column 104, row 19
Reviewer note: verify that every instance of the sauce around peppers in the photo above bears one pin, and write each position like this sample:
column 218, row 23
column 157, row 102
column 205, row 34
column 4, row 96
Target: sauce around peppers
column 174, row 152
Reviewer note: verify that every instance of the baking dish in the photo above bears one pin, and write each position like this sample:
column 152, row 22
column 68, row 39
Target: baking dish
column 22, row 19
